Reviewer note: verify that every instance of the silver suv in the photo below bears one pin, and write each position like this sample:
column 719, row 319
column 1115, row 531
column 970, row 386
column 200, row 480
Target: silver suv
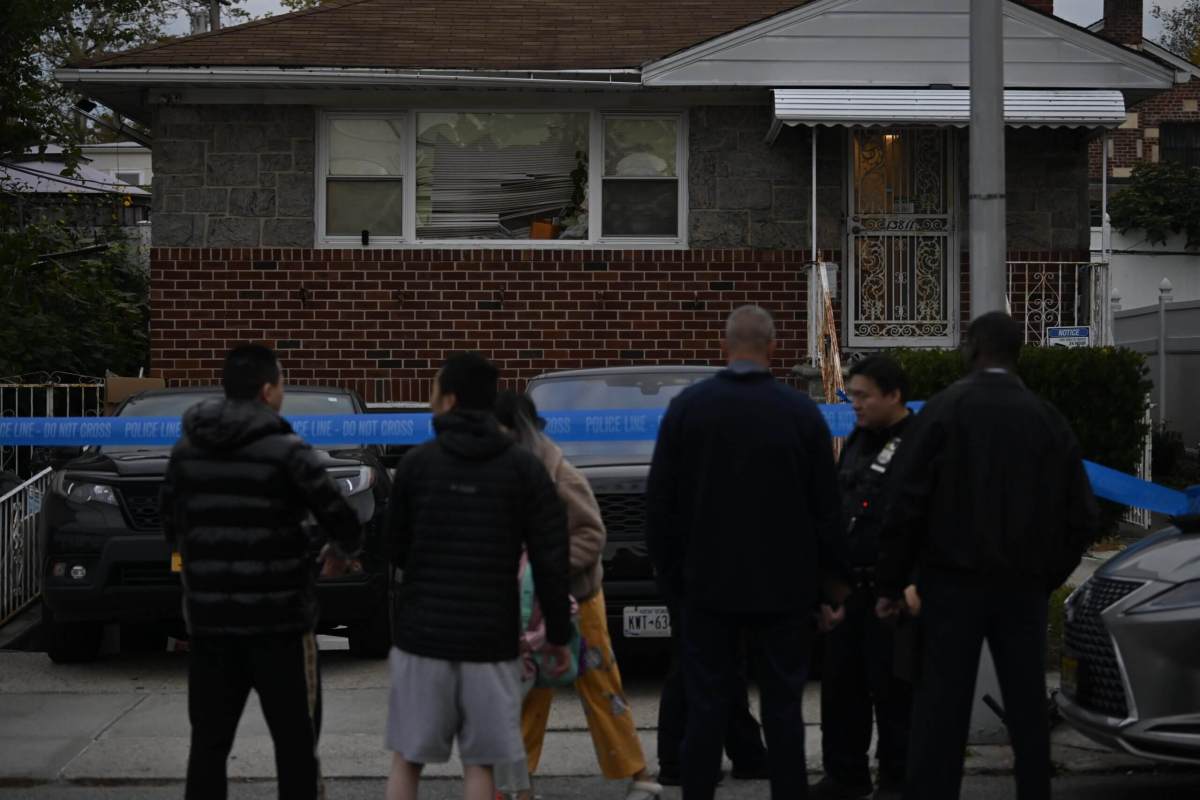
column 1131, row 651
column 617, row 470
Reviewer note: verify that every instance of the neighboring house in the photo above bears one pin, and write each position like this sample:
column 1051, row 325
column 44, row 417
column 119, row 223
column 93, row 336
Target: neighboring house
column 1165, row 127
column 127, row 162
column 86, row 199
column 372, row 184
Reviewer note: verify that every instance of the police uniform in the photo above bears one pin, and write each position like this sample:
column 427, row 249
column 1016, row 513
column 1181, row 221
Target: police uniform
column 859, row 671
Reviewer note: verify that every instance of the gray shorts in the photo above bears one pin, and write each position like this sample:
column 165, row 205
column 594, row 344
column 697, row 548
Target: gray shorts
column 434, row 702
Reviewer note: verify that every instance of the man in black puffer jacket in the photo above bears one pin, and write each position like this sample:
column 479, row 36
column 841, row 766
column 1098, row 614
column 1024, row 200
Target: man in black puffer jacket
column 463, row 507
column 237, row 489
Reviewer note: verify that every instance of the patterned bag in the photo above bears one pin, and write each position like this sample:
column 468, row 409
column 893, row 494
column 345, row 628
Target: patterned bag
column 533, row 637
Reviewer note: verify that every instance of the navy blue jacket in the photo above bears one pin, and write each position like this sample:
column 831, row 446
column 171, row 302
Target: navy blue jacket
column 743, row 513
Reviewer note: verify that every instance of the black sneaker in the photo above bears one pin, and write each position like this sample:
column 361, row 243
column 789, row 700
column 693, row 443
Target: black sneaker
column 829, row 789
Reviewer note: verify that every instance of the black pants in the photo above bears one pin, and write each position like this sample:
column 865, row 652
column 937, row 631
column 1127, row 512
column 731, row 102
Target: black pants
column 283, row 670
column 859, row 682
column 743, row 735
column 958, row 614
column 710, row 666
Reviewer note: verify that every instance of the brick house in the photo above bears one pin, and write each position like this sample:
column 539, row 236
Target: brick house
column 1163, row 127
column 372, row 184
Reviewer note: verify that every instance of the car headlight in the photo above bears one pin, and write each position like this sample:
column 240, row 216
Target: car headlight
column 353, row 481
column 83, row 492
column 1185, row 595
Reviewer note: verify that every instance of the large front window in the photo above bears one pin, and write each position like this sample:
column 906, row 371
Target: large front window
column 530, row 178
column 502, row 176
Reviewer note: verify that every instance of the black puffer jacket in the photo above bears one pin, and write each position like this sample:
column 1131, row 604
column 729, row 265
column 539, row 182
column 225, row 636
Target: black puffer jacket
column 462, row 508
column 238, row 486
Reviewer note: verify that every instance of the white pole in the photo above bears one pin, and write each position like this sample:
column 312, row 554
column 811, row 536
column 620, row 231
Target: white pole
column 1105, row 230
column 987, row 207
column 816, row 257
column 1164, row 297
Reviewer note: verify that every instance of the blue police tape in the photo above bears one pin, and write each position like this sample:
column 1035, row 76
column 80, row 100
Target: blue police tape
column 569, row 426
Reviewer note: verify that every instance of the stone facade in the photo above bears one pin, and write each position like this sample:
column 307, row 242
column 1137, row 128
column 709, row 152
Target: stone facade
column 744, row 192
column 1047, row 186
column 233, row 176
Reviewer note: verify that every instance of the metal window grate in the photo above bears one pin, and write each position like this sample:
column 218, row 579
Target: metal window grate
column 1180, row 142
column 1100, row 688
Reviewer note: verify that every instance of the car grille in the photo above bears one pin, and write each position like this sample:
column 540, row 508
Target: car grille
column 624, row 516
column 141, row 504
column 147, row 573
column 1100, row 688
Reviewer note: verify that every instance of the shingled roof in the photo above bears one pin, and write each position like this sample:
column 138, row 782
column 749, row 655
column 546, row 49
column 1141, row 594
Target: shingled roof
column 462, row 34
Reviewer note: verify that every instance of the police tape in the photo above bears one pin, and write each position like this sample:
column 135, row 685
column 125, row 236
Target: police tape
column 618, row 425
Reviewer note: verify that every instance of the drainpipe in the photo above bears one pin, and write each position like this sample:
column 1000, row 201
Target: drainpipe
column 987, row 206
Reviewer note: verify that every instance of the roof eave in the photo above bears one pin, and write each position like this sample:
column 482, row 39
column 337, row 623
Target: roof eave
column 333, row 77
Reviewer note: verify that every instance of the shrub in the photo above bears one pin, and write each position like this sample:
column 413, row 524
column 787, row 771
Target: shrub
column 1162, row 199
column 1100, row 390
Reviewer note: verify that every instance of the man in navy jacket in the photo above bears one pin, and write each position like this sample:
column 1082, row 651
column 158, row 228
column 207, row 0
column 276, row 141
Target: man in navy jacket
column 743, row 524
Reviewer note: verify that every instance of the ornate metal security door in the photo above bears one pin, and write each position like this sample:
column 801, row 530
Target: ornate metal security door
column 903, row 276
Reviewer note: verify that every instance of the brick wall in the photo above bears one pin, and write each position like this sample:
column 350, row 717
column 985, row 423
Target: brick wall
column 382, row 321
column 1140, row 140
column 1123, row 21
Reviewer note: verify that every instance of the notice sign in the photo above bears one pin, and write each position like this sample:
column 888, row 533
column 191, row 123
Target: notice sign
column 1069, row 337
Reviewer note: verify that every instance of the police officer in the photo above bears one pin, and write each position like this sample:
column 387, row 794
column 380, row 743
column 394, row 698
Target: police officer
column 859, row 673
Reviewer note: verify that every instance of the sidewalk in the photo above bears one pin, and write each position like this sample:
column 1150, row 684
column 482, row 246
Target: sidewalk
column 124, row 720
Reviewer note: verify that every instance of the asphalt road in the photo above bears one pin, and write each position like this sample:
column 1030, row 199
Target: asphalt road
column 1169, row 785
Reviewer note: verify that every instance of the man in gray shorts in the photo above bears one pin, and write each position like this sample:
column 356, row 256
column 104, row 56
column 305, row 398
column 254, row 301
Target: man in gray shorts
column 463, row 508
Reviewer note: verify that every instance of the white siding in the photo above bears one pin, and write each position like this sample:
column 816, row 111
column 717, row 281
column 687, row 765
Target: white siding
column 916, row 43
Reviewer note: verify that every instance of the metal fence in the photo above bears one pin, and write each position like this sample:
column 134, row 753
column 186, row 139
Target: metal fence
column 48, row 394
column 20, row 559
column 1048, row 294
column 1141, row 516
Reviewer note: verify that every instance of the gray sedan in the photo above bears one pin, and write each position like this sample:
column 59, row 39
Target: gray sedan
column 1131, row 654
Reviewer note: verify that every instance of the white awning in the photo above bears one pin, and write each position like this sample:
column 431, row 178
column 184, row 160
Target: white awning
column 1079, row 108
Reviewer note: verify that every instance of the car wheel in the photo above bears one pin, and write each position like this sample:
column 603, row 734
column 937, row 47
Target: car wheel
column 372, row 637
column 71, row 642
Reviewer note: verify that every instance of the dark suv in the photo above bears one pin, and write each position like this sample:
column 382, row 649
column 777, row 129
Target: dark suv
column 617, row 470
column 105, row 559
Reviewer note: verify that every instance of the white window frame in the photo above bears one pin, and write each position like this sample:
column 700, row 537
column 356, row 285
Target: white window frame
column 596, row 201
column 322, row 176
column 595, row 238
column 140, row 175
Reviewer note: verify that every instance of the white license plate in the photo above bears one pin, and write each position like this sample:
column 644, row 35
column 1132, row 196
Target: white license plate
column 647, row 622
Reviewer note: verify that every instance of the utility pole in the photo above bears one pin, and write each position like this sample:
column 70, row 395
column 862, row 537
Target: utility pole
column 214, row 15
column 987, row 206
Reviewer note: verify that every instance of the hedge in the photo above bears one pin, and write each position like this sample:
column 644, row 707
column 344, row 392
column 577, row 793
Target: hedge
column 1100, row 390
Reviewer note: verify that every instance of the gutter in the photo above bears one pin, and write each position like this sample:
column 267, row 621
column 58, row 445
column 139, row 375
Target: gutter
column 337, row 77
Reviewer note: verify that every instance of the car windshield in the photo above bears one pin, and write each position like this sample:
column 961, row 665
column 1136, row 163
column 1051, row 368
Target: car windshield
column 632, row 390
column 173, row 404
column 295, row 404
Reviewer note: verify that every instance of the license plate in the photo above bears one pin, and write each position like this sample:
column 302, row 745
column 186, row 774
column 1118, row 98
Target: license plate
column 1070, row 676
column 176, row 562
column 647, row 622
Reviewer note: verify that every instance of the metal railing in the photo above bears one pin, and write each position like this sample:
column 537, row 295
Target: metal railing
column 1141, row 516
column 1048, row 294
column 48, row 394
column 20, row 557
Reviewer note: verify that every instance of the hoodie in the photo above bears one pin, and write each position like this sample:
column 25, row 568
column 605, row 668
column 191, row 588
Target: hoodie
column 238, row 487
column 463, row 508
